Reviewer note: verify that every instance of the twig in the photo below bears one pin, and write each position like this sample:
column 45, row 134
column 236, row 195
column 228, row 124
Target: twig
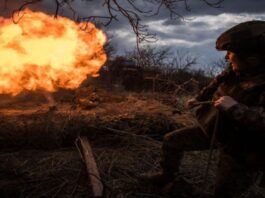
column 203, row 102
column 76, row 183
column 132, row 134
column 60, row 187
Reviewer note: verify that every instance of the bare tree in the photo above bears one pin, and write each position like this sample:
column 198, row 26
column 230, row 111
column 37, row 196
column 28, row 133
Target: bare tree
column 109, row 47
column 151, row 57
column 215, row 67
column 132, row 10
column 179, row 66
column 163, row 58
column 183, row 60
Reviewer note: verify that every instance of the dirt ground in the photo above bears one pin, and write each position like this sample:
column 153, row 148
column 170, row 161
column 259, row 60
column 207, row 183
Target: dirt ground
column 39, row 157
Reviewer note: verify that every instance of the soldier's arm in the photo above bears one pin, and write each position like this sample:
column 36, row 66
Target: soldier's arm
column 249, row 117
column 207, row 92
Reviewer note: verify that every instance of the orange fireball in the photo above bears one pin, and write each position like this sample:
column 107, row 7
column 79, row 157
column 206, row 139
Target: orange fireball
column 43, row 53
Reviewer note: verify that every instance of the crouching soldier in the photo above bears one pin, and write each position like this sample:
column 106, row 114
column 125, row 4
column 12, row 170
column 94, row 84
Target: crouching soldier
column 238, row 96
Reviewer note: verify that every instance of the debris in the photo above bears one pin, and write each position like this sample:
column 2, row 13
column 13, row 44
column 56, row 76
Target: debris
column 87, row 104
column 91, row 166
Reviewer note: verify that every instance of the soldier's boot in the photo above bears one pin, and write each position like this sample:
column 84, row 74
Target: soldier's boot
column 163, row 181
column 157, row 179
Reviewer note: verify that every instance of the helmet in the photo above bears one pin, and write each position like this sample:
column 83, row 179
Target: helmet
column 244, row 37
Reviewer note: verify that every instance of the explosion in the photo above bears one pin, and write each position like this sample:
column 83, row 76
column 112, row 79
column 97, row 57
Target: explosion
column 43, row 53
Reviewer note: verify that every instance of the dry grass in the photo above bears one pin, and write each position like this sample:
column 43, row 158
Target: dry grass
column 61, row 173
column 39, row 158
column 120, row 127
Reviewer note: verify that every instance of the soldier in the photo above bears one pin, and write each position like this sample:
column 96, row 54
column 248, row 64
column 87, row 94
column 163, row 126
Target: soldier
column 238, row 96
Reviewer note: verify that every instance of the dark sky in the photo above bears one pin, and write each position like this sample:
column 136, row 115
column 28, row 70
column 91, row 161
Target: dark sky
column 197, row 33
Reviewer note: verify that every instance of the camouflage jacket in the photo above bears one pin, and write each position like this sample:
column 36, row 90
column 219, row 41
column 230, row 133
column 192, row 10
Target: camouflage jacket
column 242, row 127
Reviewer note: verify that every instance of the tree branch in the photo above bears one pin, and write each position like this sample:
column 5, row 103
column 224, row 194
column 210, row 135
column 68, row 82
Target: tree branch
column 130, row 10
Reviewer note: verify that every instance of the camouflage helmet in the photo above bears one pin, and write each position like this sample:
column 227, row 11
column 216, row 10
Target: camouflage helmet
column 245, row 37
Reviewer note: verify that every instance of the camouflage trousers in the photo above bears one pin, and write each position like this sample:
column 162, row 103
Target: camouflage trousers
column 232, row 178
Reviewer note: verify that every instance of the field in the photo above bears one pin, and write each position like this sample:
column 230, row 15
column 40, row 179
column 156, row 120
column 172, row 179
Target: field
column 40, row 158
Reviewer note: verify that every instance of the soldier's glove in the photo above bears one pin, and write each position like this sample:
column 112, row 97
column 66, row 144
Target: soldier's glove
column 224, row 103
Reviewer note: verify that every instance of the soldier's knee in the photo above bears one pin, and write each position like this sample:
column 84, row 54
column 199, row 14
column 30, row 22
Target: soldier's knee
column 170, row 138
column 176, row 136
column 167, row 138
column 172, row 141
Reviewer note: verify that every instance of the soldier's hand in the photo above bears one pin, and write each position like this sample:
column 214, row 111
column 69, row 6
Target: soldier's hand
column 191, row 103
column 224, row 103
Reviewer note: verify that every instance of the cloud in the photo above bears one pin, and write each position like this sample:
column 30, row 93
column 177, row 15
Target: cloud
column 227, row 6
column 199, row 34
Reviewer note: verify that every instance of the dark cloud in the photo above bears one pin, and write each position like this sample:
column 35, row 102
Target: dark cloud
column 243, row 6
column 6, row 9
column 228, row 6
column 197, row 32
column 173, row 22
column 87, row 8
